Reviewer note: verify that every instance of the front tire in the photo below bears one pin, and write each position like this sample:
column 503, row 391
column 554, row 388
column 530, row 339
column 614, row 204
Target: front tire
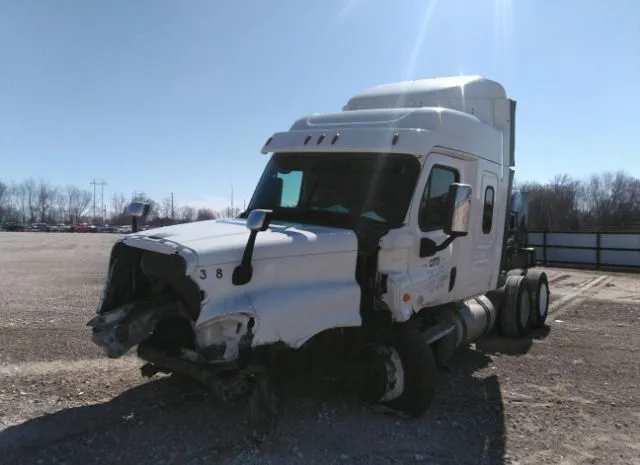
column 412, row 359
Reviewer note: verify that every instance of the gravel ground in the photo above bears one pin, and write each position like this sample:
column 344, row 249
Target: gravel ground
column 567, row 395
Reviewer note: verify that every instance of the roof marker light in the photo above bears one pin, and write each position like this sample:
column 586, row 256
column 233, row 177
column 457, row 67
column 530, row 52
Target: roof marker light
column 320, row 139
column 335, row 139
column 307, row 139
column 394, row 141
column 268, row 141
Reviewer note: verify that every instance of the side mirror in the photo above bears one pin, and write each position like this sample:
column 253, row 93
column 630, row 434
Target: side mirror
column 458, row 210
column 137, row 209
column 258, row 220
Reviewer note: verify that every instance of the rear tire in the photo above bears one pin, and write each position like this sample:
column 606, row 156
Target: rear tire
column 515, row 312
column 538, row 285
column 516, row 272
column 419, row 371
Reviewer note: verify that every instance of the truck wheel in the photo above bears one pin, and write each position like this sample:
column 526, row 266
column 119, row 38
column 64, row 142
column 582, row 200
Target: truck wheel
column 515, row 272
column 538, row 285
column 515, row 314
column 411, row 371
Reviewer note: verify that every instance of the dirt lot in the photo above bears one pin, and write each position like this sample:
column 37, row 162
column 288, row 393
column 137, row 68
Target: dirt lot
column 569, row 395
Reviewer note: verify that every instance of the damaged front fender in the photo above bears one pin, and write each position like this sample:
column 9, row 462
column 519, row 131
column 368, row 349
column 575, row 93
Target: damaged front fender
column 226, row 337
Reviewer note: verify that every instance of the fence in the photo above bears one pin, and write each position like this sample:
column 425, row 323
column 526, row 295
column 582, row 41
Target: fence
column 599, row 250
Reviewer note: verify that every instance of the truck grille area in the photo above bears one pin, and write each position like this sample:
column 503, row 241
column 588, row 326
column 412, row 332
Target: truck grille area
column 136, row 274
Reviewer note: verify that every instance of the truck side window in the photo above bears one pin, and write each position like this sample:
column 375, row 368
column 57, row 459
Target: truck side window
column 431, row 215
column 487, row 216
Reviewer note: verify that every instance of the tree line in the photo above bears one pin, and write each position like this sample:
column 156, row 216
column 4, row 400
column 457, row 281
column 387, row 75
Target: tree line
column 37, row 201
column 607, row 201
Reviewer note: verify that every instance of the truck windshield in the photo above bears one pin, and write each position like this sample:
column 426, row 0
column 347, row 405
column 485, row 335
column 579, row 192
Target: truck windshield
column 338, row 189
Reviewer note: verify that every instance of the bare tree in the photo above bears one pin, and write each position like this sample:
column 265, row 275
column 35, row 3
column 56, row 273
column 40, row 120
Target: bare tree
column 29, row 191
column 606, row 201
column 4, row 200
column 45, row 196
column 78, row 201
column 614, row 200
column 21, row 199
column 205, row 214
column 153, row 209
column 61, row 206
column 118, row 204
column 230, row 212
column 165, row 208
column 186, row 214
column 13, row 212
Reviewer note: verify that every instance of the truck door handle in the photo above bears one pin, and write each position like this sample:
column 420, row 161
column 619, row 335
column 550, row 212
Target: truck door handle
column 452, row 278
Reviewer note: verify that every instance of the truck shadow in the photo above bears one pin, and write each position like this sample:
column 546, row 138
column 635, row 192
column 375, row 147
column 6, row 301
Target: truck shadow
column 495, row 344
column 465, row 425
column 179, row 422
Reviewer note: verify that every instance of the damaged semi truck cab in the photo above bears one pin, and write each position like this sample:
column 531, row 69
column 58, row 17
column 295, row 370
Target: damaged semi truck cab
column 389, row 229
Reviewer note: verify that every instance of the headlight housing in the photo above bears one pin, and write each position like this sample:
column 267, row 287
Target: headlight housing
column 228, row 333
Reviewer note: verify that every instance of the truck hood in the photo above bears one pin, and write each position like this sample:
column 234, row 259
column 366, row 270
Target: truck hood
column 216, row 242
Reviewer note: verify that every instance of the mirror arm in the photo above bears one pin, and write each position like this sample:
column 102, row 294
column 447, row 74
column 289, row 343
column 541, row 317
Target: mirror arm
column 429, row 247
column 257, row 221
column 244, row 271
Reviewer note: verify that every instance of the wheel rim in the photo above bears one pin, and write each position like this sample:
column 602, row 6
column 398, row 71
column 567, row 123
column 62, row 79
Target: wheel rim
column 543, row 298
column 525, row 309
column 395, row 375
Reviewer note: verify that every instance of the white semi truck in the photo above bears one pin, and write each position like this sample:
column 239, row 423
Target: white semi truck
column 382, row 237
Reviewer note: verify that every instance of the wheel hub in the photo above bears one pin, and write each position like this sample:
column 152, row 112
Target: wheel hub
column 382, row 376
column 394, row 374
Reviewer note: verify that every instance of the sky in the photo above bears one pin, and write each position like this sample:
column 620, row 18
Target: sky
column 179, row 96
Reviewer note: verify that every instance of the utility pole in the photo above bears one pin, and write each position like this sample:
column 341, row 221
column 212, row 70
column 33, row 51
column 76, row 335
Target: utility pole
column 172, row 219
column 232, row 199
column 95, row 183
column 102, row 213
column 94, row 197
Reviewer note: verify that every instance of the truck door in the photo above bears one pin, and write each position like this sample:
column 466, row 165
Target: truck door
column 434, row 277
column 482, row 264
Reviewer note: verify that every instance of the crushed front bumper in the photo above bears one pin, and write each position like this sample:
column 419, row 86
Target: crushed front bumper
column 120, row 329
